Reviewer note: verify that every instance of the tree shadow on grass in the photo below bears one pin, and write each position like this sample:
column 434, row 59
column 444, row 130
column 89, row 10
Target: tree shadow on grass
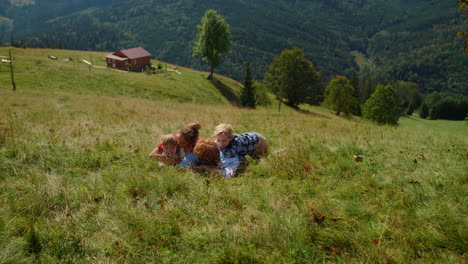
column 307, row 112
column 226, row 91
column 410, row 117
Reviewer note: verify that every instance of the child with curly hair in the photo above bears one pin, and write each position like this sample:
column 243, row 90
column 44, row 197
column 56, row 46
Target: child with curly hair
column 207, row 158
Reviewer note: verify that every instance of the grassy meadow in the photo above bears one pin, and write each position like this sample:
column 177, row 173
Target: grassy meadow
column 77, row 186
column 34, row 71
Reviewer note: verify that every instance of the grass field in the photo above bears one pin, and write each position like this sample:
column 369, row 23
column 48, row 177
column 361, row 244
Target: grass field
column 34, row 71
column 77, row 186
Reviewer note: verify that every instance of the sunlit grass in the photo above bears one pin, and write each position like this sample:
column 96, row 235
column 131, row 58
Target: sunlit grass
column 34, row 71
column 74, row 170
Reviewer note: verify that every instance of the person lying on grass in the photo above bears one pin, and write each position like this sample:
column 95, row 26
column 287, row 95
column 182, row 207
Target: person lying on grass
column 168, row 151
column 186, row 140
column 207, row 158
column 234, row 147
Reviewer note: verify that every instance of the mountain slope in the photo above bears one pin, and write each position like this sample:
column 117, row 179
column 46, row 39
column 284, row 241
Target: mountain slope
column 34, row 71
column 389, row 33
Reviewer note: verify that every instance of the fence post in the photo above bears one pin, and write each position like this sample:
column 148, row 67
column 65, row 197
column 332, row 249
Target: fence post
column 11, row 70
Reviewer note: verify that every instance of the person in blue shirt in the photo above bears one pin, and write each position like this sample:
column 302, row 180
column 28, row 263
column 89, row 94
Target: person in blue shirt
column 236, row 146
column 206, row 157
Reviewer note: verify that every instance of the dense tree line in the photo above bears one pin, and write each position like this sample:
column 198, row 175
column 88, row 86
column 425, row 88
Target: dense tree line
column 444, row 106
column 405, row 40
column 411, row 45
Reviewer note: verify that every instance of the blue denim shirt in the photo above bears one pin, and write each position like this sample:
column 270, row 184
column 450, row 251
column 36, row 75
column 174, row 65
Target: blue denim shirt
column 240, row 145
column 229, row 165
column 189, row 161
column 227, row 168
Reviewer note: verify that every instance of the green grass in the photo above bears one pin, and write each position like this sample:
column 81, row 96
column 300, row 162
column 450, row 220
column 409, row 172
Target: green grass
column 444, row 126
column 77, row 186
column 34, row 71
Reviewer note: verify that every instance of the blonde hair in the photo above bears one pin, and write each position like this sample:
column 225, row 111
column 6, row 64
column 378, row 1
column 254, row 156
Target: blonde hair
column 223, row 129
column 207, row 151
column 169, row 140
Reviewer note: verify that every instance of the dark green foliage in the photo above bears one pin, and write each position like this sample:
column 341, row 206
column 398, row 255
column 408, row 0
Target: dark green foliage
column 367, row 84
column 213, row 39
column 409, row 96
column 293, row 79
column 410, row 109
column 341, row 96
column 445, row 106
column 412, row 40
column 357, row 94
column 450, row 108
column 424, row 112
column 382, row 106
column 248, row 92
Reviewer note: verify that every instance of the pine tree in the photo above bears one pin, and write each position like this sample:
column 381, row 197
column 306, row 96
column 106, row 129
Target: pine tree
column 355, row 83
column 248, row 93
column 382, row 107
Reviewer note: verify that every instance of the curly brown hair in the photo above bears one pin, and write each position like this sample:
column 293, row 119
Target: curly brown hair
column 207, row 151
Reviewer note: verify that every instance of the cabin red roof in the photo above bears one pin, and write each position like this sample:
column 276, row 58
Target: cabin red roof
column 133, row 53
column 112, row 56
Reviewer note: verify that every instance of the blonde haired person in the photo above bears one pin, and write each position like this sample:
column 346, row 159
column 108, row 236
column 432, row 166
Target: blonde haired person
column 230, row 144
column 234, row 147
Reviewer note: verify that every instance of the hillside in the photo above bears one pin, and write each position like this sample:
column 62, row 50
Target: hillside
column 35, row 72
column 406, row 40
column 77, row 186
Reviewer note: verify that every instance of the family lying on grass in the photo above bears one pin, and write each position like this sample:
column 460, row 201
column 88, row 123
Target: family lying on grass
column 225, row 155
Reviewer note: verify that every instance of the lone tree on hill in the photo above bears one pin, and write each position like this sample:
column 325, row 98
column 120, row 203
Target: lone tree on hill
column 341, row 96
column 213, row 39
column 293, row 79
column 248, row 93
column 382, row 107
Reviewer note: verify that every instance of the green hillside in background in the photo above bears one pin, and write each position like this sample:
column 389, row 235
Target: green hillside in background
column 405, row 40
column 34, row 71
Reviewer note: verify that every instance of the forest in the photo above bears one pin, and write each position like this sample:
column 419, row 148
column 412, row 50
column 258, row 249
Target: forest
column 382, row 41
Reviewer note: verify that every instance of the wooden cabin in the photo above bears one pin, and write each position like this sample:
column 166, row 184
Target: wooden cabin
column 133, row 59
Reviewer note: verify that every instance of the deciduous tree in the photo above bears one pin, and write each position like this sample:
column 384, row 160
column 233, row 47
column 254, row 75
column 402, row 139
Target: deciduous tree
column 341, row 95
column 293, row 79
column 382, row 106
column 213, row 39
